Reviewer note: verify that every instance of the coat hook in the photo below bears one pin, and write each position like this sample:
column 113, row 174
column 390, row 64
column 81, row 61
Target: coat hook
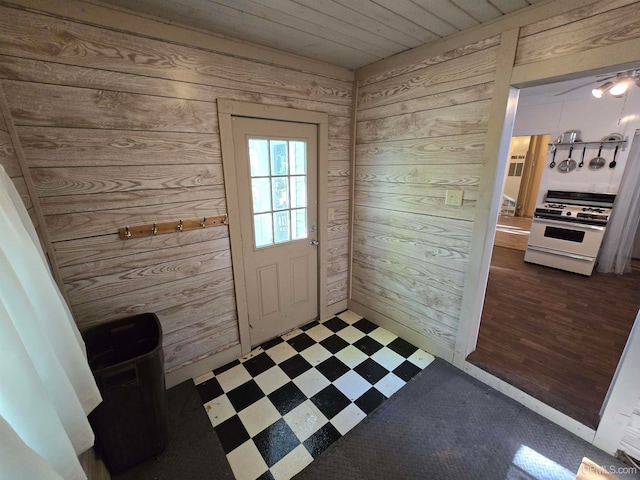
column 154, row 229
column 127, row 232
column 203, row 223
column 180, row 225
column 224, row 219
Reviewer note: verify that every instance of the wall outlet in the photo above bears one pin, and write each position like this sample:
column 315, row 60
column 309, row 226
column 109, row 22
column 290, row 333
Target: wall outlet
column 331, row 214
column 453, row 198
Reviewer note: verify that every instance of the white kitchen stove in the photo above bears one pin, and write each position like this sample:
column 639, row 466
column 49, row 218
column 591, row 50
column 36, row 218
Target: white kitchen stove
column 567, row 230
column 574, row 213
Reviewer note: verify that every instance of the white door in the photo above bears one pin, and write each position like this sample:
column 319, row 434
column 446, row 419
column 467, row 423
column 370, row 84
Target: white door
column 276, row 170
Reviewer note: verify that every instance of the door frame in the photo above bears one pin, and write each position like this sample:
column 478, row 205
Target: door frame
column 227, row 109
column 533, row 168
column 509, row 79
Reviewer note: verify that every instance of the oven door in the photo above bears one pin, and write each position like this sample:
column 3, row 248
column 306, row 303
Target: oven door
column 566, row 237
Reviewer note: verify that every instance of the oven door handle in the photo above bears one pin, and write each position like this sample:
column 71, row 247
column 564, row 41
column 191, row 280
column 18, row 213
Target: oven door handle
column 561, row 254
column 567, row 224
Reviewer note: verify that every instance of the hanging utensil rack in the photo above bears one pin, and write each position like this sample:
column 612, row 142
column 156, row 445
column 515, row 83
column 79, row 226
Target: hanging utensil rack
column 613, row 143
column 152, row 229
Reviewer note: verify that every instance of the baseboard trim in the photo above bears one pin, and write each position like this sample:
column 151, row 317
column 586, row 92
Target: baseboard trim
column 200, row 367
column 559, row 418
column 406, row 333
column 335, row 308
column 205, row 365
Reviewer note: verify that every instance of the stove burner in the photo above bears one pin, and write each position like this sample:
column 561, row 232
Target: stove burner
column 596, row 210
column 555, row 205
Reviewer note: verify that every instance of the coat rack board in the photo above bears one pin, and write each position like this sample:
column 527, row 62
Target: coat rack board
column 152, row 229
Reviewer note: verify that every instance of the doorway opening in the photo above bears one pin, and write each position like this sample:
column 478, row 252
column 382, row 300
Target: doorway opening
column 520, row 191
column 554, row 334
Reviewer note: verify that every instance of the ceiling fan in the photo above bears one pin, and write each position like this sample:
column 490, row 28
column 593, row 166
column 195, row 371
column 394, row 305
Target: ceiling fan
column 616, row 84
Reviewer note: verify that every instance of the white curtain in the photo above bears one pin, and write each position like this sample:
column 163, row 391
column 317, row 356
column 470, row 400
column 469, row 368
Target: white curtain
column 617, row 246
column 46, row 385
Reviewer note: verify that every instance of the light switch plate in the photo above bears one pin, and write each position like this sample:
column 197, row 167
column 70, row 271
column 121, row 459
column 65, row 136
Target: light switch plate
column 453, row 198
column 331, row 213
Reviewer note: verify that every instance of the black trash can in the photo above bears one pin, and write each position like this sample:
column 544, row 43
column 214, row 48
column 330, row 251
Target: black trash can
column 127, row 362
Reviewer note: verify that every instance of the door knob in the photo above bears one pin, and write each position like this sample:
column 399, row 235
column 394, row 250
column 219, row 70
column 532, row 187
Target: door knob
column 314, row 242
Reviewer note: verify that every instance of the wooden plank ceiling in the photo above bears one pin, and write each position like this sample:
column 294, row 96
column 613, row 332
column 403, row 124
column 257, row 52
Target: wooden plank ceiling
column 349, row 33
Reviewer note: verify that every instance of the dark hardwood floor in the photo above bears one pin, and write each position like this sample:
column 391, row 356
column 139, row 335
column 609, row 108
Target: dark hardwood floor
column 554, row 334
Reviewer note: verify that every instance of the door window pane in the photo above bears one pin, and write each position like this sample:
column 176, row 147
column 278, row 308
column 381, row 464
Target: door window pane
column 298, row 157
column 298, row 191
column 299, row 223
column 279, row 163
column 279, row 190
column 281, row 226
column 263, row 229
column 261, row 190
column 280, row 193
column 259, row 157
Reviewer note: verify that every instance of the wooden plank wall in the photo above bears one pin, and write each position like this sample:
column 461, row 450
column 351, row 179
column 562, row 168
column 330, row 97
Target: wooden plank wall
column 120, row 129
column 422, row 129
column 9, row 162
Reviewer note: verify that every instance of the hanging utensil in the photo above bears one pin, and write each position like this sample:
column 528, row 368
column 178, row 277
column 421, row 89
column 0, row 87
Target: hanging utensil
column 553, row 158
column 615, row 154
column 598, row 162
column 568, row 165
column 584, row 150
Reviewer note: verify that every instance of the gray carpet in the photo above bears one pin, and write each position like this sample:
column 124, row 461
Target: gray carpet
column 194, row 451
column 446, row 425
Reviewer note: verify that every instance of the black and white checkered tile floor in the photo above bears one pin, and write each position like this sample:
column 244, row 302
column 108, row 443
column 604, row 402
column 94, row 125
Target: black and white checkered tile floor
column 281, row 406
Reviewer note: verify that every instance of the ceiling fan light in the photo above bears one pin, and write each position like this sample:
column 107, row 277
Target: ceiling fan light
column 620, row 88
column 601, row 90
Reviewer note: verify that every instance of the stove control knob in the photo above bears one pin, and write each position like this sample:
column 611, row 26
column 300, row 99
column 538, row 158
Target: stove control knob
column 568, row 214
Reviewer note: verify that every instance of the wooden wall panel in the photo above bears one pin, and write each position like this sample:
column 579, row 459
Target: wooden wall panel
column 60, row 181
column 152, row 299
column 440, row 309
column 197, row 311
column 338, row 177
column 9, row 161
column 402, row 310
column 457, row 73
column 120, row 275
column 21, row 186
column 68, row 204
column 583, row 12
column 28, row 70
column 96, row 248
column 465, row 149
column 412, row 249
column 397, row 71
column 608, row 23
column 41, row 37
column 456, row 120
column 336, row 286
column 119, row 129
column 420, row 133
column 56, row 106
column 105, row 222
column 422, row 128
column 469, row 94
column 8, row 157
column 207, row 341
